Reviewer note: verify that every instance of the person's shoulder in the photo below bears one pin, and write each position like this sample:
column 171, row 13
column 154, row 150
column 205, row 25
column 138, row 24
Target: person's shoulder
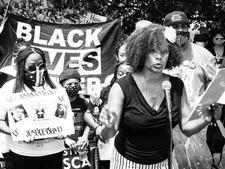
column 175, row 80
column 201, row 50
column 8, row 86
column 56, row 82
column 107, row 80
column 177, row 84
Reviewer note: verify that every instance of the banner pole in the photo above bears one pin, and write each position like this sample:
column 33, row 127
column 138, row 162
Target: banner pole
column 6, row 11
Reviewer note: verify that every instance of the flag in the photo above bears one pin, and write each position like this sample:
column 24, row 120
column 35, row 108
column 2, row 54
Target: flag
column 90, row 46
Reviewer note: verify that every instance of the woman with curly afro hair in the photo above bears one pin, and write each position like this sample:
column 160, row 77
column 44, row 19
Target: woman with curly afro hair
column 137, row 111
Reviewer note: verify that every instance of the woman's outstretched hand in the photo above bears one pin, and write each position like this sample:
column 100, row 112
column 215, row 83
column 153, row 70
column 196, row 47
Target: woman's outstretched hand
column 108, row 117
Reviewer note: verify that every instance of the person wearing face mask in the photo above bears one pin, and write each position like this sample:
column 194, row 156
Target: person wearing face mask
column 70, row 80
column 198, row 67
column 105, row 149
column 31, row 75
column 120, row 57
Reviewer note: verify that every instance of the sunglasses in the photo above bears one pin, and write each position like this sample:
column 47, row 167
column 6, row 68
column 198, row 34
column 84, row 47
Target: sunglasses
column 219, row 38
column 34, row 68
column 122, row 73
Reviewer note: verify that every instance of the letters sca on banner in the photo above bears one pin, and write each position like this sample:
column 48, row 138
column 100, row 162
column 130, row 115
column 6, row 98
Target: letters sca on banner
column 91, row 46
column 75, row 160
column 42, row 114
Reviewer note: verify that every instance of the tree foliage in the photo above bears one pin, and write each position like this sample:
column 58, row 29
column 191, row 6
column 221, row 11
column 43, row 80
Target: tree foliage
column 130, row 11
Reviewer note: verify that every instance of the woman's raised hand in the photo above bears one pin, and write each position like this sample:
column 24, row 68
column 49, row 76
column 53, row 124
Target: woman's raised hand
column 108, row 117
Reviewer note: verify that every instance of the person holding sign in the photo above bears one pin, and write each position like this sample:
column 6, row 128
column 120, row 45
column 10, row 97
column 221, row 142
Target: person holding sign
column 197, row 69
column 32, row 75
column 138, row 107
column 105, row 149
column 70, row 80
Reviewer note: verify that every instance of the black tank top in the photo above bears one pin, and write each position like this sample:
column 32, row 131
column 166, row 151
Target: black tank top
column 143, row 131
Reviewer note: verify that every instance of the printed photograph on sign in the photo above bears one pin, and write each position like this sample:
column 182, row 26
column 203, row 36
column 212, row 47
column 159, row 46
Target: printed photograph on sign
column 61, row 111
column 18, row 113
column 44, row 114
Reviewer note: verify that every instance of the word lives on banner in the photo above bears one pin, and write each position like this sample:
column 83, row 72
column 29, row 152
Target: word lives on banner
column 40, row 114
column 89, row 47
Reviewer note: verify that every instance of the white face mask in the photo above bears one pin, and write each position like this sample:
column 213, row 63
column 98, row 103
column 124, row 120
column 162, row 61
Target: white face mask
column 35, row 77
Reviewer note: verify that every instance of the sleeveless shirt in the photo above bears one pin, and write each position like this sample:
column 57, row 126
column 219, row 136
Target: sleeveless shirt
column 143, row 131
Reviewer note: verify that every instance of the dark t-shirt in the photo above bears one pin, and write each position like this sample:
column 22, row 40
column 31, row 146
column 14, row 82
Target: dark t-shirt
column 143, row 131
column 79, row 106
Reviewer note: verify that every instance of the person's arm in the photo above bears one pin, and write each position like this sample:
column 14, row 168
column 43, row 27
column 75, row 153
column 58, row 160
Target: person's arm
column 111, row 114
column 190, row 127
column 86, row 132
column 4, row 128
column 90, row 120
column 82, row 142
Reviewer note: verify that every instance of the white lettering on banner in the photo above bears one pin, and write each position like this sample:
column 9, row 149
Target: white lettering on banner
column 57, row 37
column 92, row 84
column 88, row 60
column 70, row 38
column 37, row 36
column 92, row 37
column 75, row 163
column 23, row 31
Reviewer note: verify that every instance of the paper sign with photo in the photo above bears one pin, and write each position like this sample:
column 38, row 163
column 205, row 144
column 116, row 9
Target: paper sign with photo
column 44, row 114
column 215, row 92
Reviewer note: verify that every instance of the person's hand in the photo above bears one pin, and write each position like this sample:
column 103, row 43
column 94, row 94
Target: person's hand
column 216, row 110
column 211, row 110
column 108, row 117
column 82, row 143
column 70, row 143
column 29, row 139
column 61, row 136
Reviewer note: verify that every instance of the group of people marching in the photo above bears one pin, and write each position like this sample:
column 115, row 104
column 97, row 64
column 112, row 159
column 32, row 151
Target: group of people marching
column 127, row 121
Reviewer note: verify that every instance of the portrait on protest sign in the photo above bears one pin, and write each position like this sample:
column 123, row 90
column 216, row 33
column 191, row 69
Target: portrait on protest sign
column 44, row 114
column 18, row 113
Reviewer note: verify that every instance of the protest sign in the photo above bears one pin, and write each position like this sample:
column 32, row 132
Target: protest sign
column 91, row 46
column 42, row 114
column 215, row 93
column 94, row 18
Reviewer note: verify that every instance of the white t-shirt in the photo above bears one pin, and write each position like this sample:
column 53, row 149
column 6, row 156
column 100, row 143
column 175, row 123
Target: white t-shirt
column 36, row 148
column 197, row 70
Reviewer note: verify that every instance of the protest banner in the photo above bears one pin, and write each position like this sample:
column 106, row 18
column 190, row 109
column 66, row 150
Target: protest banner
column 94, row 18
column 91, row 46
column 42, row 114
column 73, row 160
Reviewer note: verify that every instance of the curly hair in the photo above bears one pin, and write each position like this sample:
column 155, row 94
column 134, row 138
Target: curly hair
column 149, row 40
column 21, row 59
